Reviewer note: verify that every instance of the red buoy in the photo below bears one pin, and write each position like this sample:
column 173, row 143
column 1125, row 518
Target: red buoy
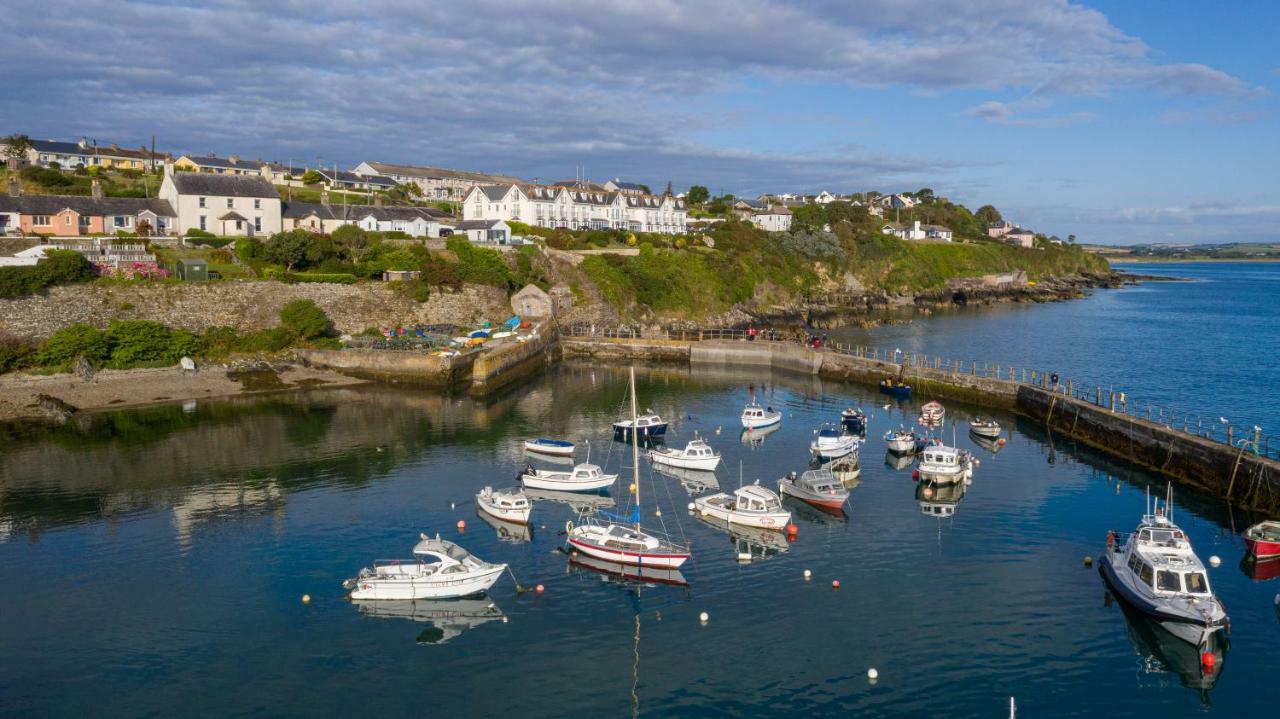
column 915, row 474
column 1208, row 660
column 539, row 589
column 1000, row 442
column 792, row 528
column 462, row 525
column 835, row 583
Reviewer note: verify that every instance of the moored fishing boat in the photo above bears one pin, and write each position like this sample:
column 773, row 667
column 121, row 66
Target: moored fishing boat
column 754, row 416
column 583, row 478
column 551, row 447
column 1263, row 540
column 647, row 425
column 818, row 487
column 945, row 465
column 439, row 569
column 895, row 388
column 1157, row 572
column 752, row 505
column 847, row 470
column 832, row 443
column 697, row 454
column 509, row 505
column 932, row 414
column 984, row 427
column 902, row 441
column 854, row 421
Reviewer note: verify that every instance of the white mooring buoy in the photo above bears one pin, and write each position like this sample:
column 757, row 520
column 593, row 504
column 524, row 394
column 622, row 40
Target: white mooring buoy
column 704, row 617
column 808, row 574
column 1215, row 561
column 872, row 674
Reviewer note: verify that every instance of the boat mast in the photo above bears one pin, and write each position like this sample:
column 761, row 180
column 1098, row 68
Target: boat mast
column 635, row 447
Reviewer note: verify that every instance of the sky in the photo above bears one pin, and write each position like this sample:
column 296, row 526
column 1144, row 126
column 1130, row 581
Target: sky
column 1117, row 122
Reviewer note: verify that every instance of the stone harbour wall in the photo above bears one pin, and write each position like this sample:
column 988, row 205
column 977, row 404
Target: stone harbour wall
column 247, row 306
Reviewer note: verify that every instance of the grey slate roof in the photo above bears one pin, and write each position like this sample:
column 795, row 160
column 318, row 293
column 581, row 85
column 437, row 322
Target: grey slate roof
column 200, row 183
column 226, row 163
column 299, row 210
column 437, row 173
column 61, row 148
column 351, row 177
column 477, row 224
column 53, row 204
column 495, row 193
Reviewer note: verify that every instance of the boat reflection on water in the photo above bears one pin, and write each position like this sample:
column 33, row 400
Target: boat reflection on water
column 813, row 513
column 756, row 437
column 549, row 459
column 1260, row 570
column 893, row 460
column 627, row 573
column 991, row 444
column 1163, row 652
column 507, row 531
column 579, row 501
column 939, row 500
column 447, row 618
column 694, row 481
column 750, row 543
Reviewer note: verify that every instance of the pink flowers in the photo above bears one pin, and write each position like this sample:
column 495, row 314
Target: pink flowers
column 133, row 271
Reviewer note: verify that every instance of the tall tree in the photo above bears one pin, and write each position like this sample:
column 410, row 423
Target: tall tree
column 669, row 193
column 988, row 215
column 16, row 145
column 698, row 195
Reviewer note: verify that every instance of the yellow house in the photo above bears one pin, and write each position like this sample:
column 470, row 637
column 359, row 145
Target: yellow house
column 115, row 157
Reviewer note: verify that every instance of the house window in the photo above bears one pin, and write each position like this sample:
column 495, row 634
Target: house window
column 203, row 221
column 40, row 220
column 121, row 221
column 84, row 220
column 202, row 202
column 230, row 203
column 239, row 225
column 68, row 221
column 257, row 204
column 257, row 224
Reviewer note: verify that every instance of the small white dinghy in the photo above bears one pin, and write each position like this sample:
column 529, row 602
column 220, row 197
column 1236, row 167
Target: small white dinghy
column 752, row 505
column 984, row 427
column 833, row 443
column 509, row 505
column 439, row 569
column 754, row 416
column 583, row 478
column 550, row 447
column 695, row 455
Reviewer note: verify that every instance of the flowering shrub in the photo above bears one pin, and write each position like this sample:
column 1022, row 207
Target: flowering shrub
column 134, row 271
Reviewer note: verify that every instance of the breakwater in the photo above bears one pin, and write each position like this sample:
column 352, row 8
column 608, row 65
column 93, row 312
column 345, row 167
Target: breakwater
column 1232, row 471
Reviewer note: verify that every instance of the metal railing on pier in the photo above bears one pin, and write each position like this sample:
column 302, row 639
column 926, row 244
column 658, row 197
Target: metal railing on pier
column 1217, row 429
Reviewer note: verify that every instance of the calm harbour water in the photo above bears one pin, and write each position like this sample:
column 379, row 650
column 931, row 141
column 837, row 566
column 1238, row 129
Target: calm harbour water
column 154, row 562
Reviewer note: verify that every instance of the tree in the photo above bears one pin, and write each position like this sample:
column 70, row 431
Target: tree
column 988, row 215
column 1071, row 239
column 143, row 228
column 288, row 248
column 698, row 195
column 924, row 194
column 809, row 218
column 669, row 192
column 311, row 177
column 845, row 212
column 355, row 240
column 305, row 319
column 16, row 145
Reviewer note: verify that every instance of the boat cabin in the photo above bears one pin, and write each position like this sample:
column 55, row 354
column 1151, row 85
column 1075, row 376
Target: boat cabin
column 941, row 456
column 821, row 481
column 1161, row 558
column 698, row 449
column 756, row 499
column 755, row 411
column 586, row 471
column 618, row 536
column 508, row 499
column 829, row 431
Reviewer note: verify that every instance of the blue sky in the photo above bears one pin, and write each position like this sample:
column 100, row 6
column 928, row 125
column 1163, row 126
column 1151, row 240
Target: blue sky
column 1117, row 122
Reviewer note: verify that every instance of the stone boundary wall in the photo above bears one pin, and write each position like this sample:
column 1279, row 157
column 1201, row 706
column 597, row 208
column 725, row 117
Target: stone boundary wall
column 245, row 305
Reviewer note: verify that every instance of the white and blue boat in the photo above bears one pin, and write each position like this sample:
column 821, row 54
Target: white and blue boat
column 552, row 447
column 646, row 425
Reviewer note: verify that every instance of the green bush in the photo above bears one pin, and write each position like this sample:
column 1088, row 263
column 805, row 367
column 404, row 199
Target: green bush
column 305, row 319
column 138, row 343
column 196, row 232
column 219, row 341
column 215, row 242
column 15, row 353
column 341, row 278
column 272, row 340
column 480, row 265
column 61, row 349
column 58, row 267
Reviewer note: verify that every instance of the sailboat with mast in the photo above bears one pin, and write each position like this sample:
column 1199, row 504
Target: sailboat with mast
column 615, row 538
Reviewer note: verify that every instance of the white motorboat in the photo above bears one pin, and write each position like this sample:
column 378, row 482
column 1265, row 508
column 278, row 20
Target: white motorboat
column 932, row 414
column 695, row 455
column 902, row 441
column 1156, row 571
column 439, row 569
column 818, row 487
column 647, row 425
column 832, row 443
column 550, row 447
column 752, row 505
column 984, row 427
column 583, row 478
column 754, row 416
column 622, row 539
column 945, row 465
column 509, row 505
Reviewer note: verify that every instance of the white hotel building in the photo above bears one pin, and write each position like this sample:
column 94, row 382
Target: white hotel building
column 576, row 209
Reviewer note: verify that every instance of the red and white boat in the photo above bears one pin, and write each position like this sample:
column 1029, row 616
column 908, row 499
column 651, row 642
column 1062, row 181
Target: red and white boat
column 932, row 413
column 1263, row 540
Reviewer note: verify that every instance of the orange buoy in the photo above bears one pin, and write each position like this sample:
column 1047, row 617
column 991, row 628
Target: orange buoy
column 792, row 528
column 835, row 583
column 1000, row 442
column 539, row 589
column 1208, row 660
column 927, row 493
column 462, row 525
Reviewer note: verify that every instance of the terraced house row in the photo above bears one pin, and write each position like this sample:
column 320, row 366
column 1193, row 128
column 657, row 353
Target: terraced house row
column 576, row 206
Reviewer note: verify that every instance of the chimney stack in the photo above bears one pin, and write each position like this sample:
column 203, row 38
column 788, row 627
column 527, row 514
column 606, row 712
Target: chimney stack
column 377, row 199
column 917, row 226
column 324, row 197
column 96, row 189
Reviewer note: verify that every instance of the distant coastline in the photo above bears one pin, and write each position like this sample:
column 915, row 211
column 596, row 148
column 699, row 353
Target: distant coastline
column 1188, row 260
